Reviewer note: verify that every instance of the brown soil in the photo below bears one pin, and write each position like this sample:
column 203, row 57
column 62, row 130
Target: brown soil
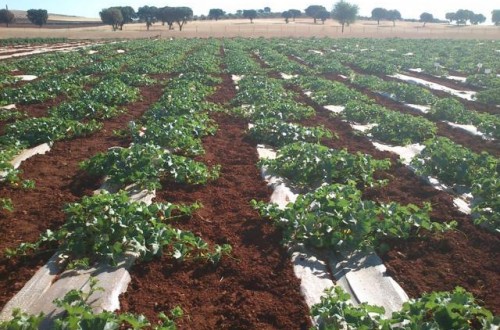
column 255, row 287
column 58, row 182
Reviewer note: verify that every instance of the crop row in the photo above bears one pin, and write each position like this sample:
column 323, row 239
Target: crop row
column 334, row 215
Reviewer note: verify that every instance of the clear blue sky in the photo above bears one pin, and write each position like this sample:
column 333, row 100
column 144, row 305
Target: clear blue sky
column 408, row 9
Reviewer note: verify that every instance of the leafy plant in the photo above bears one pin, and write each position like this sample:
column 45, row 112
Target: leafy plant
column 6, row 204
column 364, row 113
column 106, row 226
column 84, row 109
column 147, row 164
column 436, row 310
column 336, row 312
column 335, row 216
column 180, row 134
column 278, row 133
column 403, row 129
column 310, row 165
column 34, row 131
column 78, row 314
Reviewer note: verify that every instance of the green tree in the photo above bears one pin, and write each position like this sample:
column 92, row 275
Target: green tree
column 477, row 19
column 148, row 14
column 495, row 16
column 286, row 15
column 451, row 17
column 345, row 13
column 314, row 11
column 216, row 13
column 426, row 18
column 6, row 16
column 250, row 14
column 168, row 15
column 182, row 15
column 323, row 16
column 128, row 15
column 295, row 13
column 111, row 16
column 37, row 16
column 463, row 15
column 393, row 15
column 267, row 10
column 379, row 14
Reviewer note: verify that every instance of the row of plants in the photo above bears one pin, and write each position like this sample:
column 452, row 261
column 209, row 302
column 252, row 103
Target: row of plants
column 90, row 99
column 308, row 165
column 458, row 167
column 457, row 309
column 399, row 91
column 30, row 41
column 105, row 227
column 335, row 216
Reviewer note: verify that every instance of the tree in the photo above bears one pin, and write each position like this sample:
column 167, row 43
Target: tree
column 182, row 15
column 314, row 11
column 6, row 16
column 148, row 14
column 295, row 13
column 128, row 15
column 323, row 16
column 286, row 15
column 345, row 13
column 37, row 16
column 379, row 14
column 495, row 16
column 451, row 17
column 267, row 10
column 167, row 14
column 426, row 18
column 216, row 13
column 250, row 14
column 111, row 16
column 393, row 15
column 463, row 15
column 477, row 19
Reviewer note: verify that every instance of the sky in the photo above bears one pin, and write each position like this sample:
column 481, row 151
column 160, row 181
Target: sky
column 408, row 9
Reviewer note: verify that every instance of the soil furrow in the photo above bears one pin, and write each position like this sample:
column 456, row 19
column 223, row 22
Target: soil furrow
column 255, row 287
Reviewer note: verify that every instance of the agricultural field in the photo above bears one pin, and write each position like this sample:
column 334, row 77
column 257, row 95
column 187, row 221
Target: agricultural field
column 210, row 175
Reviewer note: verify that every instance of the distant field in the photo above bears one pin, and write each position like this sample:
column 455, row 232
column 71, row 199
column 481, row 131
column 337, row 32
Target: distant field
column 260, row 28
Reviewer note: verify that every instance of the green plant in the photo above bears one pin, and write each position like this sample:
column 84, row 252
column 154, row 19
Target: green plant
column 278, row 133
column 403, row 129
column 106, row 226
column 36, row 131
column 84, row 109
column 336, row 312
column 6, row 204
column 310, row 165
column 78, row 314
column 147, row 164
column 436, row 310
column 335, row 216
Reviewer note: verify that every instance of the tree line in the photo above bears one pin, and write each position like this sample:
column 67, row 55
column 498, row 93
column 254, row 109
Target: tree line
column 343, row 11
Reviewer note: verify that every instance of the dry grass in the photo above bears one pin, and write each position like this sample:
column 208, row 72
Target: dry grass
column 263, row 28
